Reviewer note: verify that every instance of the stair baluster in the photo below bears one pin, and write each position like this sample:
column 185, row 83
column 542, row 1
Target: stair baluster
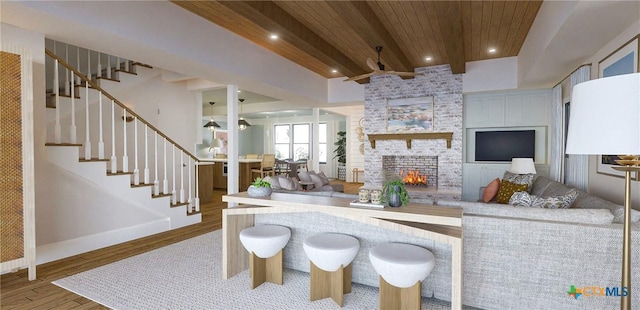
column 182, row 200
column 114, row 159
column 87, row 141
column 66, row 76
column 156, row 183
column 165, row 181
column 190, row 206
column 56, row 88
column 88, row 64
column 136, row 172
column 100, row 128
column 146, row 155
column 173, row 193
column 72, row 128
column 109, row 66
column 78, row 80
column 99, row 72
column 125, row 158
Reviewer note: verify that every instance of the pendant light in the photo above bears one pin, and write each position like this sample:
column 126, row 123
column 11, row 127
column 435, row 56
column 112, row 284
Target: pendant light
column 242, row 124
column 211, row 124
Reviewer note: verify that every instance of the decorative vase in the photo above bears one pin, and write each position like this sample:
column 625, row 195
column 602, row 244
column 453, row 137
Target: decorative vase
column 394, row 196
column 253, row 191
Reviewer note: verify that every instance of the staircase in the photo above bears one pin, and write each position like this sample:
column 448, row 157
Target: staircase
column 104, row 143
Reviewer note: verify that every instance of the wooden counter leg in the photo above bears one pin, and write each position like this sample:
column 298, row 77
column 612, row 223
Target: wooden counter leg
column 235, row 258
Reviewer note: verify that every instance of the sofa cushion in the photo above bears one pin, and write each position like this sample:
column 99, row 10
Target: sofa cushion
column 572, row 215
column 304, row 176
column 584, row 200
column 325, row 180
column 507, row 189
column 491, row 190
column 520, row 179
column 317, row 181
column 524, row 199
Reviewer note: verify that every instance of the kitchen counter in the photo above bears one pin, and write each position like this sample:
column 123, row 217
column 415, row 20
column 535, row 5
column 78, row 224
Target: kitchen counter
column 212, row 174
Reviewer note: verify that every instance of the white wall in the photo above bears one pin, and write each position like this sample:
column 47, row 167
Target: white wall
column 608, row 187
column 340, row 91
column 488, row 75
column 355, row 159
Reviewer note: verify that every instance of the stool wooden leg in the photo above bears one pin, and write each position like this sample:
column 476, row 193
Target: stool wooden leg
column 274, row 269
column 337, row 286
column 320, row 283
column 330, row 284
column 257, row 270
column 392, row 297
column 265, row 269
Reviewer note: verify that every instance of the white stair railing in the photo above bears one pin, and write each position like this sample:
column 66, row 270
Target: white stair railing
column 107, row 131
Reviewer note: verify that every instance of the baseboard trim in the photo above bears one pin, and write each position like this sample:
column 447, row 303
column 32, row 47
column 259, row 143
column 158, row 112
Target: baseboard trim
column 63, row 249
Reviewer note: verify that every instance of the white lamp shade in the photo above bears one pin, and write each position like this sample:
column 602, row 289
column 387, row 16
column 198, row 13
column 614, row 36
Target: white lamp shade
column 217, row 143
column 605, row 116
column 522, row 166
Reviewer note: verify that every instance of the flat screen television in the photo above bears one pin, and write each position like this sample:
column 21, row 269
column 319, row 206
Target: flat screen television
column 505, row 145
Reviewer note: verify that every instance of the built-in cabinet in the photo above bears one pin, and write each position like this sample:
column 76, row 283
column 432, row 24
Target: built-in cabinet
column 510, row 110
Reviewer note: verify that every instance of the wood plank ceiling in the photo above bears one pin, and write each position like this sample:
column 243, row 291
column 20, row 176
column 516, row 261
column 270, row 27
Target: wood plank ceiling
column 323, row 36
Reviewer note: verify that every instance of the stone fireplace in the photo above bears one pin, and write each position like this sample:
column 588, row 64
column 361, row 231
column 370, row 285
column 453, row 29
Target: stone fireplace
column 399, row 166
column 441, row 162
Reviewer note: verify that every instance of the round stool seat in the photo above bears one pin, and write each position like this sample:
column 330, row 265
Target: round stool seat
column 265, row 241
column 328, row 251
column 401, row 265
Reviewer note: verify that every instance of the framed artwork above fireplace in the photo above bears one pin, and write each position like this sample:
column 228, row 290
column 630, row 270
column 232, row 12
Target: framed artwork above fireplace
column 410, row 114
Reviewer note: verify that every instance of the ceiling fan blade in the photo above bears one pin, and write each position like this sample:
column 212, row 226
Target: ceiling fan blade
column 372, row 65
column 359, row 77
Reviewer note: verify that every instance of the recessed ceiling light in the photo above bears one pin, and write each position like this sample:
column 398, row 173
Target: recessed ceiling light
column 492, row 50
column 428, row 58
column 273, row 36
column 334, row 71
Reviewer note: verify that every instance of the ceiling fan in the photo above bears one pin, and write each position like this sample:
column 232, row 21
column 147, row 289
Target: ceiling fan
column 378, row 69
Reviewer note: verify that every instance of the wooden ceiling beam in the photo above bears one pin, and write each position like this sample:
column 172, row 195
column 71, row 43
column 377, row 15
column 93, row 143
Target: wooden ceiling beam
column 361, row 18
column 450, row 19
column 273, row 18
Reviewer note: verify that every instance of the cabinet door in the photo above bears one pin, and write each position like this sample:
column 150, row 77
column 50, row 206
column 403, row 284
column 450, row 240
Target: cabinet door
column 527, row 110
column 475, row 176
column 484, row 112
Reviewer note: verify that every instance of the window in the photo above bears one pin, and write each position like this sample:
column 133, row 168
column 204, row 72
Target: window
column 292, row 141
column 322, row 142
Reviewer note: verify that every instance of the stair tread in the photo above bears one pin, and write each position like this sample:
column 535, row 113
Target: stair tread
column 142, row 185
column 119, row 172
column 193, row 213
column 179, row 204
column 125, row 71
column 93, row 159
column 161, row 195
column 62, row 144
column 135, row 63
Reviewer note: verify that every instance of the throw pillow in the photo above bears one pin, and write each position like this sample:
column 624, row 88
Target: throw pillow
column 325, row 180
column 520, row 179
column 274, row 181
column 288, row 184
column 491, row 190
column 317, row 181
column 523, row 199
column 304, row 176
column 507, row 189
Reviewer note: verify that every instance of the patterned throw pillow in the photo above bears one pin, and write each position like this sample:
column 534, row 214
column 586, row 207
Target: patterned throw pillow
column 507, row 189
column 555, row 202
column 520, row 179
column 491, row 190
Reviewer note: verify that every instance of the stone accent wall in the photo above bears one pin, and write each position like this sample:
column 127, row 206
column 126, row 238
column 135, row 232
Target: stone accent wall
column 446, row 90
column 425, row 165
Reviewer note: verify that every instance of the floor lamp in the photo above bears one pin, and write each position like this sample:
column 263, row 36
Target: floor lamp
column 605, row 119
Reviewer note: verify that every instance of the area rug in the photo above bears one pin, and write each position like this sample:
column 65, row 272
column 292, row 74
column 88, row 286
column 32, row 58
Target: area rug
column 188, row 275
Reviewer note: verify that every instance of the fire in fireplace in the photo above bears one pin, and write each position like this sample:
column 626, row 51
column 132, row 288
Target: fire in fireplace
column 413, row 177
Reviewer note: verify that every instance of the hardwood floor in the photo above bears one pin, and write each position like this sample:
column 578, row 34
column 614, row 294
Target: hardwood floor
column 17, row 292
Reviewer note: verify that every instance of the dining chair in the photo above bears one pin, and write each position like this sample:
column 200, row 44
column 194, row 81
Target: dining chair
column 251, row 156
column 267, row 166
column 282, row 167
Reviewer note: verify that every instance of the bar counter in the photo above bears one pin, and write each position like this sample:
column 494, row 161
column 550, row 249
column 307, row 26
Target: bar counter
column 443, row 225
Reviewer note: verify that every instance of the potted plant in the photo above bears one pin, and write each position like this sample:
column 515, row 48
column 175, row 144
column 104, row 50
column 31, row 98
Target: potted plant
column 259, row 188
column 341, row 154
column 394, row 194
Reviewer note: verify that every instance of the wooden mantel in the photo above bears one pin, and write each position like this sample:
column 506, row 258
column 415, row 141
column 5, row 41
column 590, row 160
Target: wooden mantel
column 411, row 136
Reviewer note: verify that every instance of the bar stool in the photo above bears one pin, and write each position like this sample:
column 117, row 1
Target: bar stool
column 265, row 243
column 331, row 256
column 401, row 267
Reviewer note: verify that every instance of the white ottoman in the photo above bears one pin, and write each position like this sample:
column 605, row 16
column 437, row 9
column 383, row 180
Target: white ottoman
column 331, row 256
column 401, row 267
column 265, row 243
